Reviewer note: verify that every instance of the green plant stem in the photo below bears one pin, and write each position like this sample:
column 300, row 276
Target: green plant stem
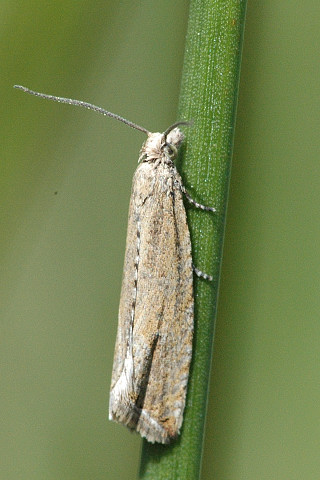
column 208, row 98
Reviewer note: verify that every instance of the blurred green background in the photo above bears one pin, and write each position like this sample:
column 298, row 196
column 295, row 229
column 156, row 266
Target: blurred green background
column 65, row 186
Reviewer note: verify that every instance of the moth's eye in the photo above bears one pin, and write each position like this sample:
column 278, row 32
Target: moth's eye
column 170, row 150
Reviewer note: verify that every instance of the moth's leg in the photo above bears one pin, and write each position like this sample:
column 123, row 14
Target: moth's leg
column 200, row 274
column 194, row 203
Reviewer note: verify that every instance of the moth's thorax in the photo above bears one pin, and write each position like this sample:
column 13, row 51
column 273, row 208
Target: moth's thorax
column 158, row 146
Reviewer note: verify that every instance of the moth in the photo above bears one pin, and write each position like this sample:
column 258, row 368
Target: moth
column 155, row 327
column 154, row 341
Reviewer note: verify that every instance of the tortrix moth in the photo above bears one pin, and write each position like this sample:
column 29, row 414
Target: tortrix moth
column 154, row 340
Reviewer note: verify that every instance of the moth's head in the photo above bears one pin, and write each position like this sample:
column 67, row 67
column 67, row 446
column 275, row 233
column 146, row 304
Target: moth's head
column 162, row 145
column 172, row 142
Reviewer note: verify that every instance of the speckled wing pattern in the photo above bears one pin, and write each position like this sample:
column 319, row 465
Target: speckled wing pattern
column 154, row 340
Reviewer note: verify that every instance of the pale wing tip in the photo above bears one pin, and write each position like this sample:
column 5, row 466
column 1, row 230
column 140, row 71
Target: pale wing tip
column 136, row 419
column 158, row 435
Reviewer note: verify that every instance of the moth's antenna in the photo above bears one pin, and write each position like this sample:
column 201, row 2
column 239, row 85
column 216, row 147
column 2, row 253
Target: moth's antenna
column 174, row 126
column 80, row 103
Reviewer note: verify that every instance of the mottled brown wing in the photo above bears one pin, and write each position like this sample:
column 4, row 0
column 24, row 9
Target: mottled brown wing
column 154, row 399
